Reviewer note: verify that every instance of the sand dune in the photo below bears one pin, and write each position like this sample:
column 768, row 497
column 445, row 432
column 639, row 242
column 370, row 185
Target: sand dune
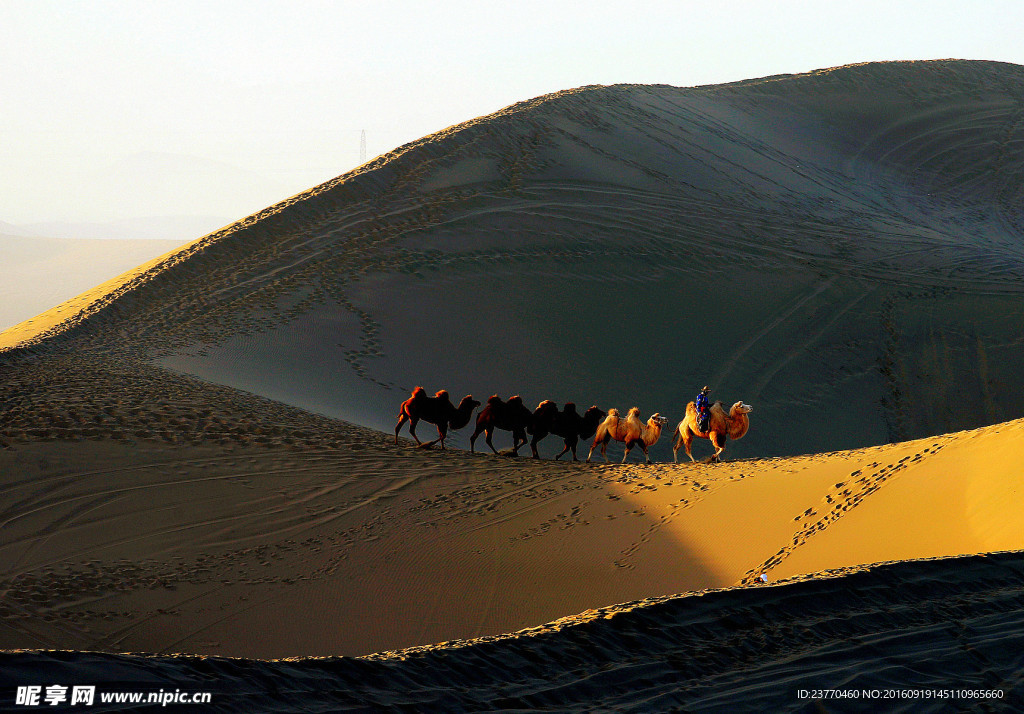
column 186, row 464
column 844, row 243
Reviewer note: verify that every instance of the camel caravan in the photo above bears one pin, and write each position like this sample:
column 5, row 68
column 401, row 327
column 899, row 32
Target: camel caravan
column 702, row 421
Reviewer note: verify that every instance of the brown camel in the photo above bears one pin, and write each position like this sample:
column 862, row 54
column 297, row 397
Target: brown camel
column 721, row 427
column 631, row 431
column 510, row 416
column 567, row 424
column 438, row 410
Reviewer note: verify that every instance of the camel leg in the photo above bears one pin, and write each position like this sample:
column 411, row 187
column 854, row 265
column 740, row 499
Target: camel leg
column 626, row 455
column 687, row 438
column 533, row 445
column 719, row 443
column 597, row 440
column 441, row 434
column 647, row 456
column 489, row 433
column 677, row 441
column 570, row 443
column 604, row 449
column 518, row 441
column 412, row 429
column 402, row 418
column 472, row 440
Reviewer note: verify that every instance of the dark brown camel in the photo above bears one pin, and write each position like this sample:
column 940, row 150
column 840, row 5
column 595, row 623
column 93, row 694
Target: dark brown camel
column 438, row 410
column 510, row 416
column 567, row 424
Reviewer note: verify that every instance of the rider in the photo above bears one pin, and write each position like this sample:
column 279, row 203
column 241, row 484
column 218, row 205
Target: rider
column 703, row 413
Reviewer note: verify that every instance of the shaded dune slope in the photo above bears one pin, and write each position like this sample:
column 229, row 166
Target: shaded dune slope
column 843, row 245
column 752, row 649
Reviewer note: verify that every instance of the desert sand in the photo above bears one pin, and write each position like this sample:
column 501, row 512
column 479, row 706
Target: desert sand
column 197, row 463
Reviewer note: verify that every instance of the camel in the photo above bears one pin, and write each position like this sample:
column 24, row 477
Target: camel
column 721, row 427
column 510, row 416
column 438, row 410
column 567, row 424
column 630, row 431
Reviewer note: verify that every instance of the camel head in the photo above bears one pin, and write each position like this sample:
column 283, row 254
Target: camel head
column 463, row 413
column 738, row 421
column 658, row 419
column 740, row 408
column 468, row 403
column 652, row 429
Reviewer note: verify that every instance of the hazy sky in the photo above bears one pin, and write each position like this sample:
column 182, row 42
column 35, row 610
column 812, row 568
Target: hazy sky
column 118, row 109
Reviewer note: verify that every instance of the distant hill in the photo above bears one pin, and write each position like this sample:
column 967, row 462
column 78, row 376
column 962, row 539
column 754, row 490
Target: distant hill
column 38, row 273
column 841, row 249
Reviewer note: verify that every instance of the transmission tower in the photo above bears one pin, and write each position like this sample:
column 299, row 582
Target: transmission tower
column 362, row 148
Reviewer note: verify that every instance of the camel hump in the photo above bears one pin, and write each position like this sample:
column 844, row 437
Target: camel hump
column 515, row 399
column 613, row 412
column 419, row 393
column 635, row 411
column 547, row 404
column 441, row 394
column 494, row 399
